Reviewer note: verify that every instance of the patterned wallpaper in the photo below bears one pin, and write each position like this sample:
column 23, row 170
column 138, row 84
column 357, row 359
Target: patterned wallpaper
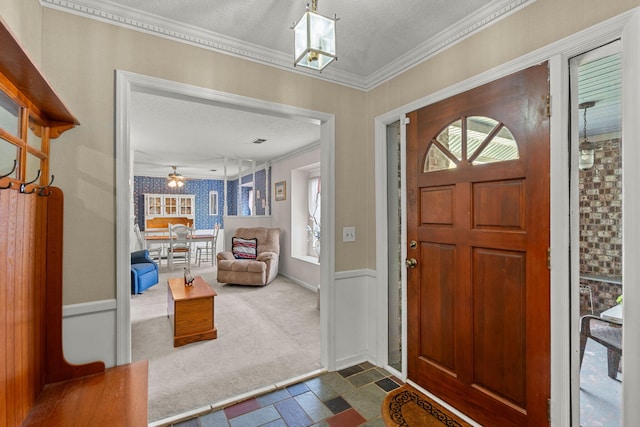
column 200, row 188
column 262, row 180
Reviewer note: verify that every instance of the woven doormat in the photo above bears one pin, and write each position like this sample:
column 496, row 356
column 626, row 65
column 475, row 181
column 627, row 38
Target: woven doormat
column 407, row 407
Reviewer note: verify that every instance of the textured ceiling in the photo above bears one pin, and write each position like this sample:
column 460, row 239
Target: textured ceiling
column 197, row 137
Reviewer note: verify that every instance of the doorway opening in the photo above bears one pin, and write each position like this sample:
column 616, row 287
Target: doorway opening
column 128, row 83
column 597, row 234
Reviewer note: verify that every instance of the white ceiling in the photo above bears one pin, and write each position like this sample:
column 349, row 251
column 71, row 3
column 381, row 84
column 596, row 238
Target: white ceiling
column 197, row 137
column 377, row 39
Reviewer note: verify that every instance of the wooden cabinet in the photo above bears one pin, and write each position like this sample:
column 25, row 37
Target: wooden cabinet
column 169, row 205
column 191, row 311
column 162, row 209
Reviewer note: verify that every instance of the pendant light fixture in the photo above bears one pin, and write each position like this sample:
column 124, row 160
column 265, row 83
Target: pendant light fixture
column 314, row 39
column 587, row 148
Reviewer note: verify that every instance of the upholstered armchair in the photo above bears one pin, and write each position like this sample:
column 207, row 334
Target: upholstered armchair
column 144, row 272
column 253, row 258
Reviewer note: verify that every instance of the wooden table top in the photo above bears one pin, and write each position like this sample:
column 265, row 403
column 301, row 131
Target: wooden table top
column 199, row 289
column 614, row 314
column 160, row 237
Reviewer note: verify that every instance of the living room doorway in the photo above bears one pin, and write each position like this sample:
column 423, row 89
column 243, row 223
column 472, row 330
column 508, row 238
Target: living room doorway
column 128, row 83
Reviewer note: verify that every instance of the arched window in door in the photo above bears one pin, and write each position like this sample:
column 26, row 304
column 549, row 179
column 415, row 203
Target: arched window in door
column 475, row 140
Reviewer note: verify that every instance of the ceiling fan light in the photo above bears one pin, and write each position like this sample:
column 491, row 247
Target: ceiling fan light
column 172, row 183
column 180, row 183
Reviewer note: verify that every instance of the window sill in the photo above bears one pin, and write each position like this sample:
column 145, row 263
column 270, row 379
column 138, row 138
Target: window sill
column 309, row 259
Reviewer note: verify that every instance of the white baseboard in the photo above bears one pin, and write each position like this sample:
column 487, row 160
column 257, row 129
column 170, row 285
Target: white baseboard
column 89, row 332
column 355, row 359
column 305, row 285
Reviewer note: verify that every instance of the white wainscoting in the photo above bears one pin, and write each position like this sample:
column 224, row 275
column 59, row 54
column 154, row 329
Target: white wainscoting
column 89, row 332
column 89, row 329
column 355, row 305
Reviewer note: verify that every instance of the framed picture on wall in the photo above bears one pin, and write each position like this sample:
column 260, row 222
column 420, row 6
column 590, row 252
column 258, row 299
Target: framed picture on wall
column 281, row 191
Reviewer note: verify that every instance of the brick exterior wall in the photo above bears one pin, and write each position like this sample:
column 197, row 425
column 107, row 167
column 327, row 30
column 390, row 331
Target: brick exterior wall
column 601, row 228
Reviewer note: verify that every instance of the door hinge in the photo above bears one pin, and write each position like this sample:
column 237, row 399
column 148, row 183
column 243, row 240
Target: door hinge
column 549, row 258
column 406, row 121
column 549, row 410
column 548, row 101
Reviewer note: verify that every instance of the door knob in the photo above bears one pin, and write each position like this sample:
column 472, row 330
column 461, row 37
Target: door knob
column 411, row 262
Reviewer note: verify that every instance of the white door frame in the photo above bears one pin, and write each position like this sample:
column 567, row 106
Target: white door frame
column 564, row 356
column 128, row 82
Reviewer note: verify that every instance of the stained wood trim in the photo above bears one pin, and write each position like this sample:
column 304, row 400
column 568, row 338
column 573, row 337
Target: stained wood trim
column 57, row 368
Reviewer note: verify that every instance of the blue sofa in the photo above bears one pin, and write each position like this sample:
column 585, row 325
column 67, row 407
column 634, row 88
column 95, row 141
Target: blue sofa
column 144, row 272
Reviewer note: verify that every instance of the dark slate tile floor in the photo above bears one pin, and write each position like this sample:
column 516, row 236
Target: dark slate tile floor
column 346, row 398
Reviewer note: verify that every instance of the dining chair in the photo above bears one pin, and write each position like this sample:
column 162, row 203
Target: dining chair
column 154, row 253
column 208, row 251
column 180, row 241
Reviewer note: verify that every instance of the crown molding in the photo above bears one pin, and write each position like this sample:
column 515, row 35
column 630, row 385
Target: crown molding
column 481, row 19
column 115, row 14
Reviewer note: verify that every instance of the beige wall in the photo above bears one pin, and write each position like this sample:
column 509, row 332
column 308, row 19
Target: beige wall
column 79, row 56
column 24, row 18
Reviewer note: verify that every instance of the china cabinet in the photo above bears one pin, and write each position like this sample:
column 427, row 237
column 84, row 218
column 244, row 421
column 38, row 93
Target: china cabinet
column 162, row 209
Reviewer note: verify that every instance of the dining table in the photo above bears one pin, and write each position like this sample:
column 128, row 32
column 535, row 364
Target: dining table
column 165, row 238
column 613, row 314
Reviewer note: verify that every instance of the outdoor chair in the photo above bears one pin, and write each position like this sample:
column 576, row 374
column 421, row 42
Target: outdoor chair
column 606, row 333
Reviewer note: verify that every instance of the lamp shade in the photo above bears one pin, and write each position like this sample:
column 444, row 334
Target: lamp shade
column 314, row 41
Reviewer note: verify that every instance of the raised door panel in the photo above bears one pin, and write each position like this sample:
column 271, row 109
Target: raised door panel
column 499, row 322
column 437, row 292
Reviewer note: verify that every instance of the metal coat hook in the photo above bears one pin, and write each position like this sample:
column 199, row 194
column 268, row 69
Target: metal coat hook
column 13, row 169
column 23, row 186
column 41, row 192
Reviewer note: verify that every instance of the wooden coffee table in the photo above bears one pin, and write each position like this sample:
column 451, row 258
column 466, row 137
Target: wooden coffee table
column 190, row 309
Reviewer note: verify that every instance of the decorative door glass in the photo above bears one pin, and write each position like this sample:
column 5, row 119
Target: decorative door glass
column 475, row 140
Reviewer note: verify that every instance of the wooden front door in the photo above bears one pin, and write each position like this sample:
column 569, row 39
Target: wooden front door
column 478, row 229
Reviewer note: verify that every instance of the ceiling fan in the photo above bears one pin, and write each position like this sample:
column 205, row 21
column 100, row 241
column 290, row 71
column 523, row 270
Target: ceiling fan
column 174, row 179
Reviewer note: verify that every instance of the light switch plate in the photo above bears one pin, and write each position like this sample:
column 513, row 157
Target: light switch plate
column 348, row 234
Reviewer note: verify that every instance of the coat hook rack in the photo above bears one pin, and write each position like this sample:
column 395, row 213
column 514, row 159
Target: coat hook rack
column 13, row 169
column 23, row 186
column 42, row 190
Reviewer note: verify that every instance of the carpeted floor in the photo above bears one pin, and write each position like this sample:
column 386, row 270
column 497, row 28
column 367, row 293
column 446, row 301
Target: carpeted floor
column 265, row 335
column 408, row 407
